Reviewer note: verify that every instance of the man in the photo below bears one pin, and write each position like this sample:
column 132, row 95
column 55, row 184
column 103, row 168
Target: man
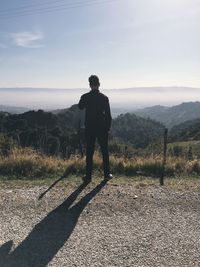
column 97, row 125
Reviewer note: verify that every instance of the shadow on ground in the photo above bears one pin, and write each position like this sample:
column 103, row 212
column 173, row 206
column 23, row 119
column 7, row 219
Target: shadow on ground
column 49, row 235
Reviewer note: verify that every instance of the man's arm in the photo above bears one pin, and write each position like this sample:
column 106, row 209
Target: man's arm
column 108, row 117
column 82, row 103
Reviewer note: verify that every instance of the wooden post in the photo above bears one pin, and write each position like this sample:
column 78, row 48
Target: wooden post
column 164, row 157
column 165, row 146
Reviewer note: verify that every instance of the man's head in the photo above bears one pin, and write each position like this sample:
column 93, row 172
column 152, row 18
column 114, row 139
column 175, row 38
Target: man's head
column 94, row 82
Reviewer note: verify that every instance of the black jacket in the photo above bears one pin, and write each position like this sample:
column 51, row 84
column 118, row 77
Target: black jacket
column 97, row 113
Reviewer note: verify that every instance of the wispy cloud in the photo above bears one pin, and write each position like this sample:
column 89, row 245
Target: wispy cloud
column 28, row 39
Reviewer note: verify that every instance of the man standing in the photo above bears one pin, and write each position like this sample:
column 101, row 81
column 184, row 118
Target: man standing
column 97, row 125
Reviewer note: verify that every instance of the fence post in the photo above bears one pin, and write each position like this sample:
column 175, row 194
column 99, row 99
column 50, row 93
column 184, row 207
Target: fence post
column 164, row 157
column 79, row 139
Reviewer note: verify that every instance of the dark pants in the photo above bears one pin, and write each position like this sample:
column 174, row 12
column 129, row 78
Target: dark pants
column 102, row 137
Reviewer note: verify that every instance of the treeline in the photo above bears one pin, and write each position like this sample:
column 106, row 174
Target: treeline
column 137, row 131
column 44, row 131
column 186, row 131
column 62, row 133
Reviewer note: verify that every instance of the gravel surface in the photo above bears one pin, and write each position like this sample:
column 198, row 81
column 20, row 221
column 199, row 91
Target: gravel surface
column 100, row 225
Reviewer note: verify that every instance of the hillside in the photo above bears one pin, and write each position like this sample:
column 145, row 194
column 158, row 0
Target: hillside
column 171, row 116
column 58, row 131
column 186, row 131
column 114, row 111
column 44, row 131
column 62, row 133
column 137, row 131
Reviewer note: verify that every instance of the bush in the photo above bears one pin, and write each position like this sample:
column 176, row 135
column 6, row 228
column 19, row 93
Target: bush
column 193, row 167
column 6, row 144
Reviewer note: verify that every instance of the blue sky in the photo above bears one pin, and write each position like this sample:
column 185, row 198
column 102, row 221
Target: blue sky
column 127, row 43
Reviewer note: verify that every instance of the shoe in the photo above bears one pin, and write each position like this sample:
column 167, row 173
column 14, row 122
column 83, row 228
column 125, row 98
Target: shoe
column 87, row 179
column 108, row 177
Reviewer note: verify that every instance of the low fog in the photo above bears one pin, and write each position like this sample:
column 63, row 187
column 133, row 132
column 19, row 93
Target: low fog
column 131, row 98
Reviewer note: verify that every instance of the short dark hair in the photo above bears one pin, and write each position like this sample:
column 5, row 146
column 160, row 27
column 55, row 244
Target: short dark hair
column 94, row 80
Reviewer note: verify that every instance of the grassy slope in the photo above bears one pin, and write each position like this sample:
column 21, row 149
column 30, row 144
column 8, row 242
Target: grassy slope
column 195, row 145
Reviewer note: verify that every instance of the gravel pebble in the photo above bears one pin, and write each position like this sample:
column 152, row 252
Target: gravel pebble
column 104, row 225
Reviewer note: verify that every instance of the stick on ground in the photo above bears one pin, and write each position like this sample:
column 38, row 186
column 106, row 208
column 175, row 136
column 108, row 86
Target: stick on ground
column 51, row 186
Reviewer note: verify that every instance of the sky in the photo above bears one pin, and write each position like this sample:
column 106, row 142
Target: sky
column 127, row 43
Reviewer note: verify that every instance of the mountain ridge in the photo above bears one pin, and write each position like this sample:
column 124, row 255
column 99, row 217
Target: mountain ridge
column 171, row 116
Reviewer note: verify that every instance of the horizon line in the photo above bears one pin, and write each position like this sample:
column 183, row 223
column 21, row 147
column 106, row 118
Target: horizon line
column 78, row 88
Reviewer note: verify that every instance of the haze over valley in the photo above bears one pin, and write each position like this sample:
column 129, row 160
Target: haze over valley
column 121, row 99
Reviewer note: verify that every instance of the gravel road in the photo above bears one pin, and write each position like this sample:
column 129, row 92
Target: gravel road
column 100, row 225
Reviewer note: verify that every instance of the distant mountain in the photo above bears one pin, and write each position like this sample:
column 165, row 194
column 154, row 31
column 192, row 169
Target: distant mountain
column 171, row 116
column 13, row 110
column 186, row 131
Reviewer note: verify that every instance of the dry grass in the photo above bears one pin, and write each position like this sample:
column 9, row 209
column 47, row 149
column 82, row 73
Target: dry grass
column 27, row 163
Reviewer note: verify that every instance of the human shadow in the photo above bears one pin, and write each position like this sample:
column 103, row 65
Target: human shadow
column 50, row 234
